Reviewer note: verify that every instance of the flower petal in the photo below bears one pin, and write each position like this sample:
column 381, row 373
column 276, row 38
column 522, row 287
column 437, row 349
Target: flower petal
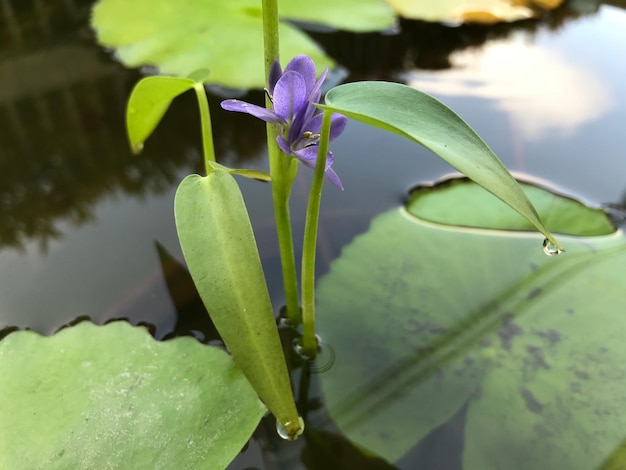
column 290, row 95
column 308, row 156
column 283, row 145
column 338, row 123
column 256, row 111
column 275, row 74
column 315, row 92
column 305, row 66
column 332, row 177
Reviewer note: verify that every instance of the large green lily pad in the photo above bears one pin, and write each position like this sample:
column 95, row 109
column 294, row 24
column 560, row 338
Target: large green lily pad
column 113, row 397
column 472, row 11
column 426, row 318
column 225, row 37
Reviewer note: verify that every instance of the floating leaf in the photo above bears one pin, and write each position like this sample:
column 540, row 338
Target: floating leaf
column 474, row 11
column 420, row 117
column 427, row 318
column 113, row 397
column 220, row 250
column 562, row 214
column 226, row 38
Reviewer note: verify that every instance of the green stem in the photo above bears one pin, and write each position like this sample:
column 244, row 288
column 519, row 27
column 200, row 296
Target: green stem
column 205, row 121
column 282, row 169
column 309, row 342
column 270, row 33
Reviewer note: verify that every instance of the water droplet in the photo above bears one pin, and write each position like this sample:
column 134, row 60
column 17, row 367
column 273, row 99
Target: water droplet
column 297, row 347
column 550, row 248
column 282, row 430
column 137, row 148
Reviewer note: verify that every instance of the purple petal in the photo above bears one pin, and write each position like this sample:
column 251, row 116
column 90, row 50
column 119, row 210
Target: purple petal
column 283, row 145
column 337, row 125
column 290, row 95
column 274, row 76
column 316, row 91
column 256, row 111
column 308, row 156
column 314, row 125
column 303, row 65
column 332, row 177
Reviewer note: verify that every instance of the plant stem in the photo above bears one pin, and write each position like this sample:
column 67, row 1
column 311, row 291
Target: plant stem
column 309, row 342
column 282, row 169
column 205, row 122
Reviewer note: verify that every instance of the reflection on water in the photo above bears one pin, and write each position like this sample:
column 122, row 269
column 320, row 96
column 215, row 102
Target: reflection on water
column 69, row 184
column 512, row 75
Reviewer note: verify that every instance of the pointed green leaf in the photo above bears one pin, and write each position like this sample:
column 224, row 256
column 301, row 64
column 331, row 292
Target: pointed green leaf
column 113, row 397
column 220, row 250
column 148, row 103
column 252, row 174
column 420, row 117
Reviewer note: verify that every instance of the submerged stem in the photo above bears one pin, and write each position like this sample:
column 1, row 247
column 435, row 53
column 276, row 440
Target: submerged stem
column 309, row 342
column 283, row 171
column 205, row 122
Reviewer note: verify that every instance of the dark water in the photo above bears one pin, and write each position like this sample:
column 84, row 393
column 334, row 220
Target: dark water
column 87, row 229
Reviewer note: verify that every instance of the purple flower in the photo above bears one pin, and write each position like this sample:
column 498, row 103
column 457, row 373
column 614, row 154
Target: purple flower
column 294, row 93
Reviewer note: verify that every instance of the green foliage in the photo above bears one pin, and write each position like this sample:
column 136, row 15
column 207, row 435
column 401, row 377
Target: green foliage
column 477, row 11
column 113, row 397
column 420, row 117
column 427, row 318
column 561, row 214
column 180, row 37
column 148, row 103
column 219, row 246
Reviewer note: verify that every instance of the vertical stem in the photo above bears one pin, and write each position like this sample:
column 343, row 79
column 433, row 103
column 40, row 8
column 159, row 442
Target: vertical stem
column 205, row 122
column 282, row 169
column 309, row 342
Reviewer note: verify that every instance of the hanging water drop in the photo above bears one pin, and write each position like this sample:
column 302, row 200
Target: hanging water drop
column 284, row 433
column 550, row 248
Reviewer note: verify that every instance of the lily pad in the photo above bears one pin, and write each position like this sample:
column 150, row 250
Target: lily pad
column 226, row 37
column 426, row 318
column 113, row 397
column 472, row 11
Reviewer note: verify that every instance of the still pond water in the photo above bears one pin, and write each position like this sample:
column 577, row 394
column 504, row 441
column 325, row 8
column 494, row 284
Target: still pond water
column 87, row 229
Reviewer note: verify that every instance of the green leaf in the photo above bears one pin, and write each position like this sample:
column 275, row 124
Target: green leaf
column 148, row 103
column 113, row 397
column 562, row 214
column 182, row 37
column 349, row 15
column 476, row 11
column 220, row 250
column 420, row 117
column 252, row 174
column 435, row 317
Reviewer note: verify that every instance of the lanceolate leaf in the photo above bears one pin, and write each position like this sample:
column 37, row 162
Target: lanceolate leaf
column 220, row 250
column 420, row 117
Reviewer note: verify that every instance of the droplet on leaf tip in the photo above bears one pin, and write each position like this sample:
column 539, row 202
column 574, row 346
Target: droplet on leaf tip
column 137, row 148
column 282, row 430
column 550, row 248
